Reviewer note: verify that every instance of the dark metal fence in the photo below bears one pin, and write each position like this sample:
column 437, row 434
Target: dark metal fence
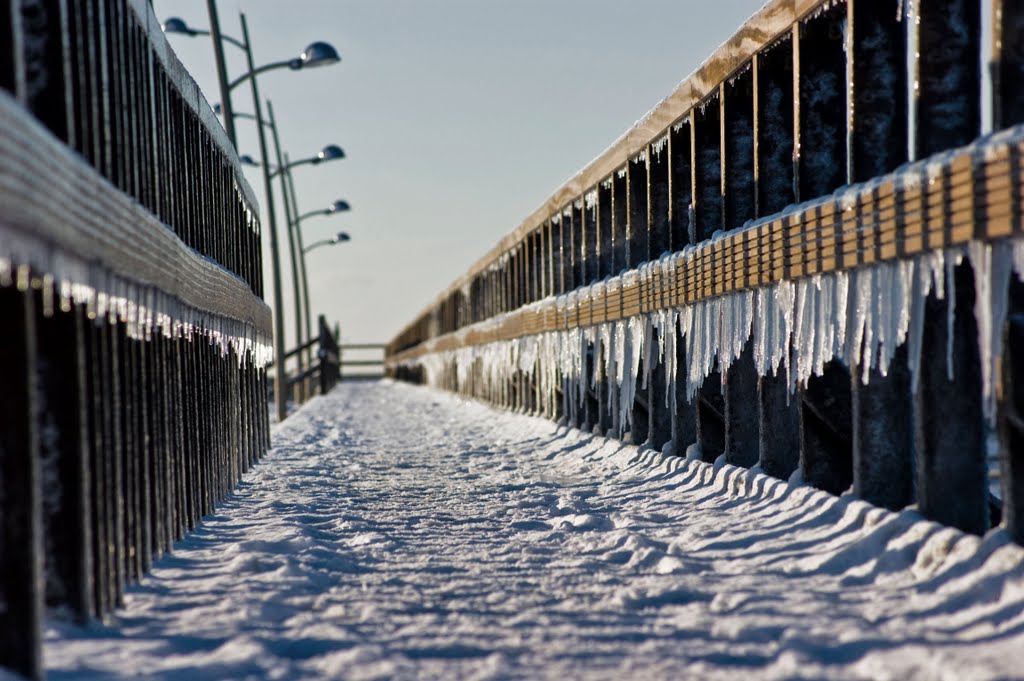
column 325, row 373
column 755, row 272
column 132, row 356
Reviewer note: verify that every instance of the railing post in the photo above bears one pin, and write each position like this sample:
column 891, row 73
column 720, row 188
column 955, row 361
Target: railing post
column 65, row 456
column 330, row 357
column 739, row 394
column 950, row 431
column 877, row 142
column 1008, row 63
column 21, row 530
column 659, row 423
column 1011, row 426
column 684, row 419
column 883, row 443
column 825, row 439
column 778, row 413
column 707, row 167
column 709, row 405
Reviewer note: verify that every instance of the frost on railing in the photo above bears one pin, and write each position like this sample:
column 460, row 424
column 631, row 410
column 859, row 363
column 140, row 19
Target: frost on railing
column 826, row 307
column 134, row 343
column 859, row 317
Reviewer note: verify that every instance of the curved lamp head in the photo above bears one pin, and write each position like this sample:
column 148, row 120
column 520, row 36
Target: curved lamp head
column 247, row 160
column 319, row 54
column 339, row 206
column 330, row 153
column 342, row 236
column 176, row 25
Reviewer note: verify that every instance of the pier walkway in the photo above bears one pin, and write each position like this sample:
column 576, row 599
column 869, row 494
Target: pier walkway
column 397, row 532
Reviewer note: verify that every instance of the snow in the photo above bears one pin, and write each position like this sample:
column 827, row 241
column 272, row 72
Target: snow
column 397, row 532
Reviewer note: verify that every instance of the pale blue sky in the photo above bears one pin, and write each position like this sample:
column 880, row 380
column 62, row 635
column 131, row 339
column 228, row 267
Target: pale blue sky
column 459, row 118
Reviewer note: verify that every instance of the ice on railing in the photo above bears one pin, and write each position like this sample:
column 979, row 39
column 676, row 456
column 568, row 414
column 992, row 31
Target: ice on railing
column 144, row 310
column 858, row 317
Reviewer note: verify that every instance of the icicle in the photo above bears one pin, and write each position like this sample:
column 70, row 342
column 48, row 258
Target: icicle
column 950, row 312
column 991, row 264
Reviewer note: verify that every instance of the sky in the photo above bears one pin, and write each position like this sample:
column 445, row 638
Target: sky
column 458, row 119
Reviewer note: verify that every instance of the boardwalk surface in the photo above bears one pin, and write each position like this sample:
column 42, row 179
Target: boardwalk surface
column 399, row 533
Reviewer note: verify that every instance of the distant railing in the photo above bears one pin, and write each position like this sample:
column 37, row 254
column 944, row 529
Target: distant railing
column 324, row 374
column 755, row 272
column 329, row 368
column 366, row 358
column 134, row 339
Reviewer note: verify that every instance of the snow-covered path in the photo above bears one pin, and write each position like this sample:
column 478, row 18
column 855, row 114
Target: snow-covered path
column 400, row 533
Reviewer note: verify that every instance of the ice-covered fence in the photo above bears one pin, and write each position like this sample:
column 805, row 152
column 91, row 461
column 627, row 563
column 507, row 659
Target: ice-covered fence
column 756, row 270
column 134, row 336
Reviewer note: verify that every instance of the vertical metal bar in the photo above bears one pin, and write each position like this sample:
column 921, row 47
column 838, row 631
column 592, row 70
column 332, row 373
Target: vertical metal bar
column 590, row 237
column 738, row 181
column 826, row 458
column 97, row 467
column 659, row 200
column 877, row 94
column 707, row 168
column 21, row 570
column 63, row 401
column 948, row 74
column 605, row 221
column 776, row 123
column 822, row 103
column 1008, row 63
column 949, row 437
column 639, row 245
column 620, row 220
column 709, row 428
column 129, row 455
column 779, row 426
column 568, row 252
column 10, row 37
column 1011, row 430
column 740, row 413
column 145, row 392
column 877, row 143
column 949, row 426
column 578, row 232
column 42, row 60
column 681, row 178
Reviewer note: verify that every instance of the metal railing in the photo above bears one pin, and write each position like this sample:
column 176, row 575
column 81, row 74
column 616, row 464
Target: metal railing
column 366, row 358
column 132, row 357
column 755, row 272
column 324, row 374
column 321, row 376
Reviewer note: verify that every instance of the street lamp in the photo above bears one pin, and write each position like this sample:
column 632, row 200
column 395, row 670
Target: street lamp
column 328, row 153
column 179, row 26
column 284, row 166
column 340, row 237
column 316, row 54
column 331, row 152
column 339, row 206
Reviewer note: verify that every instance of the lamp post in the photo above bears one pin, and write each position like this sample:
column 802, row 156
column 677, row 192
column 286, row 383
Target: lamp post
column 315, row 54
column 339, row 206
column 340, row 237
column 329, row 152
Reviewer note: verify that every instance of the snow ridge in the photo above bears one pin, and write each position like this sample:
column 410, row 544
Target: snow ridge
column 397, row 532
